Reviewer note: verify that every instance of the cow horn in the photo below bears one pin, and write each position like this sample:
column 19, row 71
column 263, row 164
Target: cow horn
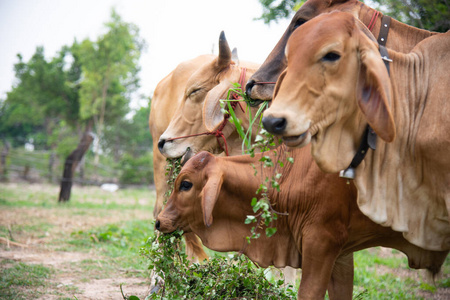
column 224, row 58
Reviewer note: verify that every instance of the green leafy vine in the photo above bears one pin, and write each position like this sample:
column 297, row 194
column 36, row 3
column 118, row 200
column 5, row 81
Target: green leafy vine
column 265, row 214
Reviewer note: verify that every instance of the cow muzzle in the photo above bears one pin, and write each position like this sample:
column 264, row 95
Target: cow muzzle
column 164, row 225
column 279, row 127
column 259, row 91
column 276, row 126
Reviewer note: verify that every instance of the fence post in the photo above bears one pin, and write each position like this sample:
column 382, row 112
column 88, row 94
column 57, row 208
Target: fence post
column 3, row 156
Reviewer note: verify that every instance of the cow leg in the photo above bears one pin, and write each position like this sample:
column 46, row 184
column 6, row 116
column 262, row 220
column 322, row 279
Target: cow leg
column 194, row 248
column 319, row 253
column 341, row 282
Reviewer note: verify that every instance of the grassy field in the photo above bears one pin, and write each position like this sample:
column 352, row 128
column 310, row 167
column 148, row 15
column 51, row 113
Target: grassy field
column 87, row 248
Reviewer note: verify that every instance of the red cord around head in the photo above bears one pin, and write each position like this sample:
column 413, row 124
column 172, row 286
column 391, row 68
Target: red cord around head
column 218, row 133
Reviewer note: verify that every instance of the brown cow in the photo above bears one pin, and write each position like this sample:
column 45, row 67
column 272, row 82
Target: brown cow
column 168, row 94
column 200, row 110
column 336, row 83
column 401, row 37
column 323, row 228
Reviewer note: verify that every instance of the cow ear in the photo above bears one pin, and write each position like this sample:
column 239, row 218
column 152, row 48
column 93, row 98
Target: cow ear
column 224, row 58
column 212, row 112
column 374, row 92
column 234, row 56
column 210, row 194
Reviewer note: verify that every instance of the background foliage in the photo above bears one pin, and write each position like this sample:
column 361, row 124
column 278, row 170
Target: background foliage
column 88, row 86
column 432, row 15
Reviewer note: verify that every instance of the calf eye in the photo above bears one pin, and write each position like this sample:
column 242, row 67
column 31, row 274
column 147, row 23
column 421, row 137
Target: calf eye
column 331, row 56
column 185, row 185
column 299, row 22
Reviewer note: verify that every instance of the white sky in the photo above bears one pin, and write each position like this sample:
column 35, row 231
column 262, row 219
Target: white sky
column 175, row 30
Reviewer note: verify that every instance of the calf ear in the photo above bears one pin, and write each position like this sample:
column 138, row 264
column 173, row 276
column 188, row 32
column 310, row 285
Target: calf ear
column 210, row 194
column 373, row 93
column 212, row 112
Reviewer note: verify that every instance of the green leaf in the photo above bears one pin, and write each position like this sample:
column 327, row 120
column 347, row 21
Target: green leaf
column 270, row 231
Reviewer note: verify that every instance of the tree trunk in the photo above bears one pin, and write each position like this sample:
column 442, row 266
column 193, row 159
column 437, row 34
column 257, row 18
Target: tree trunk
column 101, row 120
column 71, row 163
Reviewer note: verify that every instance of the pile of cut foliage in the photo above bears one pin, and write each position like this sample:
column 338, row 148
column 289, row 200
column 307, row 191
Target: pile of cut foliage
column 234, row 277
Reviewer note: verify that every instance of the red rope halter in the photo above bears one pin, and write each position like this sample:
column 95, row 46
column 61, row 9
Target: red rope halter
column 373, row 20
column 218, row 133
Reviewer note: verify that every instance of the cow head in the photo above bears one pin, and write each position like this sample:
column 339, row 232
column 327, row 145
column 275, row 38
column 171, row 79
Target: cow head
column 335, row 83
column 194, row 196
column 275, row 63
column 199, row 111
column 212, row 198
column 195, row 206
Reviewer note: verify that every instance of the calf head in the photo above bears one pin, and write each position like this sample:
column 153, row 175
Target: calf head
column 276, row 62
column 201, row 104
column 194, row 196
column 211, row 202
column 335, row 83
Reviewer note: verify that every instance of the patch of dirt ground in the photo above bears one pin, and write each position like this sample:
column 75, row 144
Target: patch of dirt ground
column 69, row 279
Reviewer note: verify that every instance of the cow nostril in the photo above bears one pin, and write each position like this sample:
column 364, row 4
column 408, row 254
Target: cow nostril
column 248, row 88
column 161, row 144
column 157, row 224
column 280, row 125
column 274, row 125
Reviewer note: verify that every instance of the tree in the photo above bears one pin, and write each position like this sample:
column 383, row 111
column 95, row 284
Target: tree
column 44, row 95
column 118, row 140
column 427, row 14
column 432, row 15
column 39, row 100
column 109, row 69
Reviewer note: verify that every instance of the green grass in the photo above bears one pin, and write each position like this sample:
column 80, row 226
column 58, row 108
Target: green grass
column 119, row 242
column 82, row 197
column 375, row 277
column 22, row 281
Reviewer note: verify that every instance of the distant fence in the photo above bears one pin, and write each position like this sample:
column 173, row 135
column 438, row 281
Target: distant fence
column 44, row 166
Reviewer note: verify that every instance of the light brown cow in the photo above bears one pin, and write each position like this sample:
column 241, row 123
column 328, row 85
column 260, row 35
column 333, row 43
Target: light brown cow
column 401, row 37
column 323, row 228
column 336, row 83
column 200, row 111
column 168, row 94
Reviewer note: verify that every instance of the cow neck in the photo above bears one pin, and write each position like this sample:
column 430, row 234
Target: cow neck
column 369, row 139
column 218, row 133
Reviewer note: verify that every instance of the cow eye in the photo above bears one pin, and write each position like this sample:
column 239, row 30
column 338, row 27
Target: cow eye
column 193, row 92
column 185, row 185
column 299, row 22
column 331, row 56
